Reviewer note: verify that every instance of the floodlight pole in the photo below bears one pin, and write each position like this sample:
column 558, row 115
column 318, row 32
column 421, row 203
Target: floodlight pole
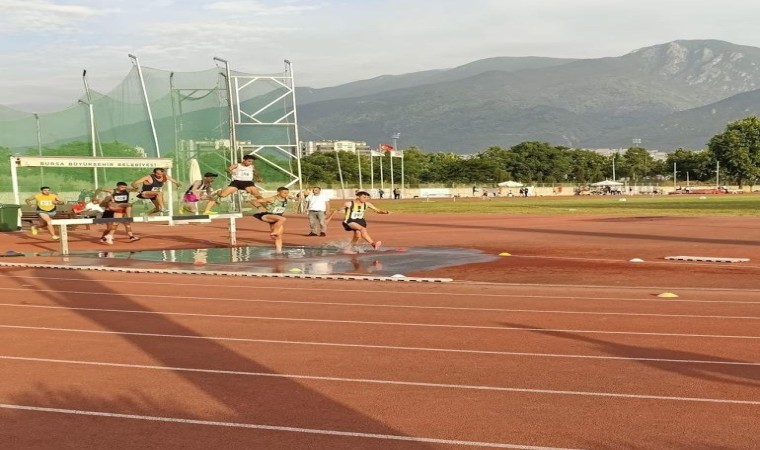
column 39, row 146
column 92, row 123
column 234, row 157
column 147, row 103
column 92, row 138
column 289, row 70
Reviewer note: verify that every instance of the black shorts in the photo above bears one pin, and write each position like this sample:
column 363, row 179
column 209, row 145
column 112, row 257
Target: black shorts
column 361, row 222
column 242, row 185
column 261, row 215
column 140, row 195
column 107, row 214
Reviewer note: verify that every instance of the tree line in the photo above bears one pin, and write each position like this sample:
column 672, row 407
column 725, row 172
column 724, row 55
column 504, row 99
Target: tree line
column 736, row 152
column 731, row 157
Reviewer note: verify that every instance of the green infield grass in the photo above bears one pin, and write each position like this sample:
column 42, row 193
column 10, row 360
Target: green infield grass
column 665, row 205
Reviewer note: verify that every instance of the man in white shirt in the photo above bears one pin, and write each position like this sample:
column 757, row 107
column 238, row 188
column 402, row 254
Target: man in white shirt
column 93, row 207
column 317, row 205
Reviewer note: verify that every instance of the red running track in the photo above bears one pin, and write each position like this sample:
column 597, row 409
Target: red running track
column 104, row 360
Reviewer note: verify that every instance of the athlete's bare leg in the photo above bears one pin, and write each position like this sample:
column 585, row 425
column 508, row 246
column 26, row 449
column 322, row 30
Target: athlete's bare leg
column 213, row 201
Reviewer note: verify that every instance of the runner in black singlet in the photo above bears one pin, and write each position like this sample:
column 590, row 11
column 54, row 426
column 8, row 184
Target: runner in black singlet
column 150, row 188
column 271, row 211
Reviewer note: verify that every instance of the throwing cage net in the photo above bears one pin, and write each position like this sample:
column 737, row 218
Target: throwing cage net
column 208, row 120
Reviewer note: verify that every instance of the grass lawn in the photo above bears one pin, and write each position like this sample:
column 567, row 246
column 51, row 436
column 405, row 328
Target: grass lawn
column 670, row 205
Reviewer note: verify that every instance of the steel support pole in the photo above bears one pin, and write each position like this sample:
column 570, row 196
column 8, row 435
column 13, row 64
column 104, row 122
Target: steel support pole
column 147, row 104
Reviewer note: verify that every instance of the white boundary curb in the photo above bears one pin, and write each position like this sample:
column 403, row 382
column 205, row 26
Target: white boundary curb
column 227, row 273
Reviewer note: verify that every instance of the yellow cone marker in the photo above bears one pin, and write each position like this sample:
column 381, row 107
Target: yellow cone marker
column 668, row 295
column 505, row 254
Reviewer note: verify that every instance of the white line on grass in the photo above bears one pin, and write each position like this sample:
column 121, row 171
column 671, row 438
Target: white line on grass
column 389, row 347
column 393, row 382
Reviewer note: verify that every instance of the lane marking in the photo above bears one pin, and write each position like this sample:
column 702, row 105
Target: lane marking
column 389, row 347
column 391, row 437
column 374, row 305
column 394, row 382
column 427, row 292
column 368, row 322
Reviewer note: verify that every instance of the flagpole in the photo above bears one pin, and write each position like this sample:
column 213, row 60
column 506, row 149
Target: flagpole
column 392, row 182
column 382, row 180
column 371, row 171
column 395, row 138
column 359, row 163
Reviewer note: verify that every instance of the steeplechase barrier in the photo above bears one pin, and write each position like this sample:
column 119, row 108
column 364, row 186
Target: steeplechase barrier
column 64, row 224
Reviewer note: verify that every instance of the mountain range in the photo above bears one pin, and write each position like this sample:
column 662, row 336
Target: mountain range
column 676, row 94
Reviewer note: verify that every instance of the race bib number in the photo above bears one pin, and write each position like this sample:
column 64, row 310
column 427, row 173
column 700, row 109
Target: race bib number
column 357, row 214
column 278, row 210
column 155, row 189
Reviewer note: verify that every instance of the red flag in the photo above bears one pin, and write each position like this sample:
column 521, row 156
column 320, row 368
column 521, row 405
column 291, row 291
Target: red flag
column 386, row 147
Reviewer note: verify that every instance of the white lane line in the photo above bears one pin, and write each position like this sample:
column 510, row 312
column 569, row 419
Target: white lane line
column 394, row 382
column 390, row 347
column 376, row 305
column 390, row 437
column 368, row 322
column 431, row 292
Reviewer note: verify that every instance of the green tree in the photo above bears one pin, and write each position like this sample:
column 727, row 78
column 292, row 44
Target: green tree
column 540, row 162
column 638, row 164
column 697, row 164
column 587, row 166
column 414, row 164
column 737, row 150
column 444, row 168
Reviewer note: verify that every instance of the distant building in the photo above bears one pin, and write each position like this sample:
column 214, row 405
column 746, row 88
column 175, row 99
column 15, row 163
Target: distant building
column 657, row 155
column 310, row 147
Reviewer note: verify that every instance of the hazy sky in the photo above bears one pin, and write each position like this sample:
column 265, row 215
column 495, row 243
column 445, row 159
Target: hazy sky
column 45, row 44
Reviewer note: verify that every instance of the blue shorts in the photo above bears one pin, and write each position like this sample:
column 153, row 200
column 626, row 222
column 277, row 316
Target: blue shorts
column 49, row 213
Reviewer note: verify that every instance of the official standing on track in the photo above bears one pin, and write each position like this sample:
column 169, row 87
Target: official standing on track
column 317, row 205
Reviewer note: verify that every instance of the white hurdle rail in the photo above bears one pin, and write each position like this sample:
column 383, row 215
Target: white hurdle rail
column 64, row 224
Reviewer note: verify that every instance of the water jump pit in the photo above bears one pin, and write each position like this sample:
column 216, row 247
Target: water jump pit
column 390, row 263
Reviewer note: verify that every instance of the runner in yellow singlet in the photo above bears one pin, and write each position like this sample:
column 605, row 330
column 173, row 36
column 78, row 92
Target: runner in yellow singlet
column 353, row 220
column 45, row 202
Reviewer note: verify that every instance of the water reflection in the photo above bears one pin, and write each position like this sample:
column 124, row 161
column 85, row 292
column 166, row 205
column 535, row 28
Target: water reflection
column 324, row 260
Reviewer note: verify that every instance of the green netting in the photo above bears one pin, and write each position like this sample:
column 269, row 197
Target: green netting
column 192, row 121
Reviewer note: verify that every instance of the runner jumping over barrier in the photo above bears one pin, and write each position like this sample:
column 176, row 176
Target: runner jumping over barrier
column 117, row 205
column 150, row 188
column 243, row 175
